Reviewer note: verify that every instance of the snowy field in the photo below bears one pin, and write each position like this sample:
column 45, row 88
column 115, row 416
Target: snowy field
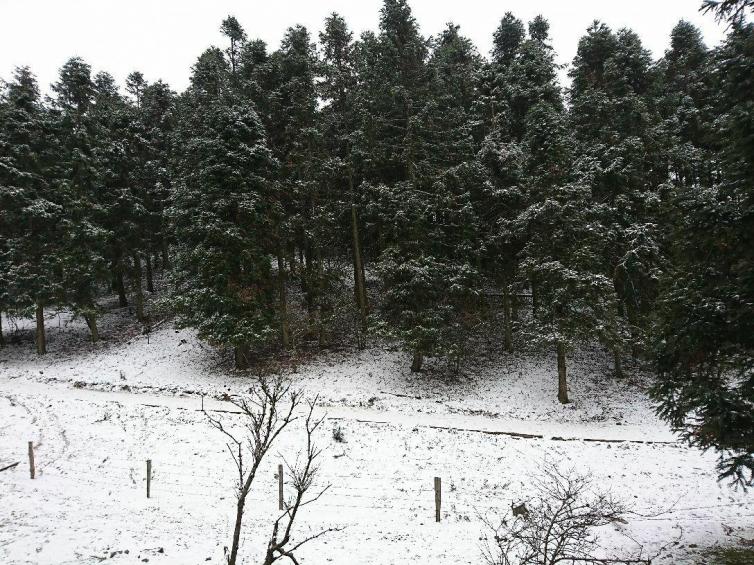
column 96, row 413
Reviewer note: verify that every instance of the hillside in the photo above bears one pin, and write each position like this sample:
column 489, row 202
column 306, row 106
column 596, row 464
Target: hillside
column 96, row 413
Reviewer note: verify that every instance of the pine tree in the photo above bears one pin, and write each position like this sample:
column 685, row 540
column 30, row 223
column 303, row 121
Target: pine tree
column 157, row 116
column 305, row 222
column 507, row 40
column 705, row 347
column 221, row 214
column 120, row 199
column 78, row 178
column 519, row 164
column 237, row 36
column 732, row 10
column 613, row 117
column 686, row 106
column 338, row 124
column 32, row 219
column 392, row 95
column 420, row 203
column 562, row 254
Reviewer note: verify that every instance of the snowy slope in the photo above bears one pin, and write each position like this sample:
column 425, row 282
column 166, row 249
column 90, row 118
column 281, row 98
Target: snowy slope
column 97, row 412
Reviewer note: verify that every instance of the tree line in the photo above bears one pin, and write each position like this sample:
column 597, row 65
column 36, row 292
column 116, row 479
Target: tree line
column 450, row 183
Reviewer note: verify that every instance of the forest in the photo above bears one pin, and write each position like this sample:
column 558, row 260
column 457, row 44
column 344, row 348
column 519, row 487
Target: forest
column 409, row 188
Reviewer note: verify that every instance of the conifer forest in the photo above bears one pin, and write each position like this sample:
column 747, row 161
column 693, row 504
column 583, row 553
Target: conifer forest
column 386, row 229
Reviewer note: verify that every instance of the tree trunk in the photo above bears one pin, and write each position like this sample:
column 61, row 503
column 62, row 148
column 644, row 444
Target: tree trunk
column 150, row 278
column 617, row 364
column 534, row 304
column 417, row 361
column 165, row 255
column 2, row 337
column 237, row 530
column 307, row 284
column 41, row 338
column 508, row 335
column 358, row 265
column 242, row 353
column 320, row 300
column 515, row 303
column 120, row 287
column 282, row 301
column 562, row 382
column 91, row 322
column 138, row 292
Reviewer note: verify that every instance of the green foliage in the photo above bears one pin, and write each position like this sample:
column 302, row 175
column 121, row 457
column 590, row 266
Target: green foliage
column 732, row 10
column 430, row 303
column 32, row 219
column 705, row 347
column 222, row 215
column 79, row 174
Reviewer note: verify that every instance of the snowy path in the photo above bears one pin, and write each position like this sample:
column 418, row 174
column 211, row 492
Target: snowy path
column 458, row 422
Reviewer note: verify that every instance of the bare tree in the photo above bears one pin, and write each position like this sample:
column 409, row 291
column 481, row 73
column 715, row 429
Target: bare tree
column 267, row 410
column 303, row 472
column 557, row 525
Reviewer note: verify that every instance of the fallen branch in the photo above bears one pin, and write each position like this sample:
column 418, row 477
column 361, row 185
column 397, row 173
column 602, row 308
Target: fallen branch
column 9, row 466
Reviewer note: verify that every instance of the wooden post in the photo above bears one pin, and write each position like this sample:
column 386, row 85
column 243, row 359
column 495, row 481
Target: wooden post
column 31, row 459
column 438, row 498
column 280, row 487
column 149, row 477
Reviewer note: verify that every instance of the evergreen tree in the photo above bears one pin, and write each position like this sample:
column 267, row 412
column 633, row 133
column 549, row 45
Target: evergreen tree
column 705, row 347
column 157, row 116
column 338, row 124
column 575, row 300
column 732, row 10
column 221, row 214
column 32, row 221
column 392, row 96
column 518, row 163
column 120, row 198
column 507, row 39
column 613, row 119
column 79, row 182
column 304, row 221
column 237, row 36
column 686, row 106
column 428, row 231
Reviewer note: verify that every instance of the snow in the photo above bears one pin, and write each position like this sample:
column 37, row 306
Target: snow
column 97, row 412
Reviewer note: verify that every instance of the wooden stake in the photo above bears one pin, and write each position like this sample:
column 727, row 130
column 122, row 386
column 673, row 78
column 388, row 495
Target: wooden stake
column 438, row 498
column 31, row 459
column 149, row 477
column 280, row 487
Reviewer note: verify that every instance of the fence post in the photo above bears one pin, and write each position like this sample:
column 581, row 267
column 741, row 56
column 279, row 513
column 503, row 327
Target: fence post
column 31, row 459
column 280, row 487
column 149, row 477
column 438, row 498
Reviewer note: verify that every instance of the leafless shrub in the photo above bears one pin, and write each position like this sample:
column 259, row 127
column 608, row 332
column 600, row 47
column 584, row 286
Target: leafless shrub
column 557, row 525
column 267, row 410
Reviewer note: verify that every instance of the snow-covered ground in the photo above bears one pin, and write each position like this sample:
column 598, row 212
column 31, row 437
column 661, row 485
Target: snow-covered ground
column 97, row 412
